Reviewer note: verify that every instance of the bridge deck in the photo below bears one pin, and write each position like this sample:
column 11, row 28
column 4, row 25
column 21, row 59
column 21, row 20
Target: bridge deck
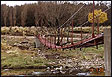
column 84, row 43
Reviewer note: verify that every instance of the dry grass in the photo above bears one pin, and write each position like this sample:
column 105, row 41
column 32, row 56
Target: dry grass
column 33, row 30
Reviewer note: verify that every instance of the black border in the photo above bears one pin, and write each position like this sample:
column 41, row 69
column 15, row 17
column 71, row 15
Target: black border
column 55, row 0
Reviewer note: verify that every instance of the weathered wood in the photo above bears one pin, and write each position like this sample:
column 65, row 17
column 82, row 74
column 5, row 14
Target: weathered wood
column 107, row 51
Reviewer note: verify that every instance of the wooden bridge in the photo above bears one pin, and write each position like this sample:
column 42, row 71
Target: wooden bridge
column 57, row 40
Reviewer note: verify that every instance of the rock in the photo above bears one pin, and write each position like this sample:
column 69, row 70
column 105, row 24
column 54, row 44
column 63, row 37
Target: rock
column 6, row 69
column 69, row 61
column 38, row 50
column 53, row 62
column 55, row 72
column 38, row 73
column 57, row 57
column 52, row 70
column 60, row 68
column 32, row 57
column 83, row 74
column 63, row 72
column 48, row 68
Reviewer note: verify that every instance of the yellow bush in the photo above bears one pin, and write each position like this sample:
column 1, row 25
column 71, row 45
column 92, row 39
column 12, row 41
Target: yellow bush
column 98, row 16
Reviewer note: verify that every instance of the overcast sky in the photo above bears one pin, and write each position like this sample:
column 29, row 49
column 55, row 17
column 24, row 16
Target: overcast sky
column 13, row 3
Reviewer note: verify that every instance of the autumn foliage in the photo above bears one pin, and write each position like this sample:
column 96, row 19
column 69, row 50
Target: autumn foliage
column 99, row 16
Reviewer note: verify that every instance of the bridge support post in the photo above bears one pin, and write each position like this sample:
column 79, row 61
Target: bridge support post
column 37, row 42
column 107, row 51
column 93, row 21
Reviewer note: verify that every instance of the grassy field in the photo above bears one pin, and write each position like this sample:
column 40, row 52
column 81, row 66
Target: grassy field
column 15, row 57
column 17, row 54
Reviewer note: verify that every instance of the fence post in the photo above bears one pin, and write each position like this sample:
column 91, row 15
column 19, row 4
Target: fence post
column 107, row 51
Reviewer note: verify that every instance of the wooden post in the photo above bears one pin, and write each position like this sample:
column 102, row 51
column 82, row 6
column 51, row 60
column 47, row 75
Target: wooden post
column 68, row 34
column 93, row 21
column 81, row 34
column 72, row 32
column 55, row 39
column 98, row 26
column 107, row 51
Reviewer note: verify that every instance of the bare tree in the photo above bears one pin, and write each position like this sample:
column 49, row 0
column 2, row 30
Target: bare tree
column 5, row 13
column 10, row 15
column 14, row 15
column 24, row 15
column 47, row 13
column 36, row 15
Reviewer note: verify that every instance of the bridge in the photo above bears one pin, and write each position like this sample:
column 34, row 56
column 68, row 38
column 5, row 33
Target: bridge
column 97, row 40
column 64, row 37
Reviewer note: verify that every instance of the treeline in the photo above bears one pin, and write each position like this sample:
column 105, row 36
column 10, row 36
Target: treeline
column 49, row 14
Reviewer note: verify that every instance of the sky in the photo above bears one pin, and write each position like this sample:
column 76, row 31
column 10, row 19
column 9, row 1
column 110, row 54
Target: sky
column 13, row 3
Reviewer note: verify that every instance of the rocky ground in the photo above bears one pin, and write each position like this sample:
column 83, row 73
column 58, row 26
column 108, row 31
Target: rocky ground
column 21, row 49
